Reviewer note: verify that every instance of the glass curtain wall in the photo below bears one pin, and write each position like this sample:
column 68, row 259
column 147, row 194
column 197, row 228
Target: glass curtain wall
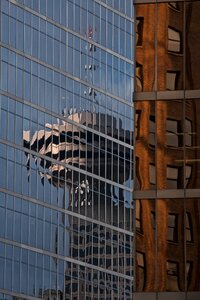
column 167, row 149
column 66, row 149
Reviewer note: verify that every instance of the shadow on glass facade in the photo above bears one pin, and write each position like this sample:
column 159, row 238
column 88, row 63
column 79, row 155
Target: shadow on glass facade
column 66, row 151
column 167, row 142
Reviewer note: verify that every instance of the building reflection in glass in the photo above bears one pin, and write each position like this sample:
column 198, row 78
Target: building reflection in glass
column 172, row 30
column 172, row 227
column 66, row 216
column 167, row 147
column 66, row 143
column 192, row 39
column 63, row 152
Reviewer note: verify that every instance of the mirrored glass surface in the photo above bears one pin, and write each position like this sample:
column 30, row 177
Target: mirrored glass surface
column 192, row 143
column 145, row 47
column 67, row 149
column 170, row 243
column 145, row 135
column 170, row 138
column 192, row 11
column 170, row 46
column 145, row 245
column 192, row 216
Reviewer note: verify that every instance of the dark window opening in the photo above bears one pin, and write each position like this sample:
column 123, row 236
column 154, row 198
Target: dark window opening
column 152, row 131
column 188, row 227
column 189, row 267
column 138, row 216
column 188, row 174
column 172, row 231
column 139, row 31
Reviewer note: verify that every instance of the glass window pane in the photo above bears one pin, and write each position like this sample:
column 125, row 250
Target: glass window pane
column 192, row 45
column 170, row 243
column 145, row 252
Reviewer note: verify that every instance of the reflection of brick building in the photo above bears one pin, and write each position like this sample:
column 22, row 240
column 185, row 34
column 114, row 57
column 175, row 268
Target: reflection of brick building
column 167, row 146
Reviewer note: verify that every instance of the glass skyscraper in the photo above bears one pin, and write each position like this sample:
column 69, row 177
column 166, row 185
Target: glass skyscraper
column 66, row 149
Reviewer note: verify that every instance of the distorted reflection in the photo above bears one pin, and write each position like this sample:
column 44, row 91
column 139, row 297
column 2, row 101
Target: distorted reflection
column 174, row 40
column 172, row 80
column 52, row 294
column 175, row 137
column 172, row 276
column 161, row 221
column 62, row 153
column 192, row 143
column 172, row 234
column 167, row 28
column 145, row 133
column 192, row 43
column 141, row 270
column 175, row 227
column 167, row 147
column 139, row 30
column 174, row 5
column 188, row 227
column 145, row 245
column 192, row 228
column 138, row 212
column 172, row 37
column 138, row 77
column 145, row 47
column 66, row 143
column 163, row 135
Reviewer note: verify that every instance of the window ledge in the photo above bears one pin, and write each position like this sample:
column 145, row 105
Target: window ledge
column 175, row 53
column 173, row 242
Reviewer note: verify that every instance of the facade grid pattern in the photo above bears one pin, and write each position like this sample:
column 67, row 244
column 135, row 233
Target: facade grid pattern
column 167, row 143
column 66, row 149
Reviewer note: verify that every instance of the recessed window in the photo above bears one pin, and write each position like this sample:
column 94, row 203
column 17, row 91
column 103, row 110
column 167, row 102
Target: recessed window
column 152, row 130
column 188, row 227
column 139, row 30
column 174, row 40
column 172, row 80
column 138, row 76
column 172, row 276
column 172, row 231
